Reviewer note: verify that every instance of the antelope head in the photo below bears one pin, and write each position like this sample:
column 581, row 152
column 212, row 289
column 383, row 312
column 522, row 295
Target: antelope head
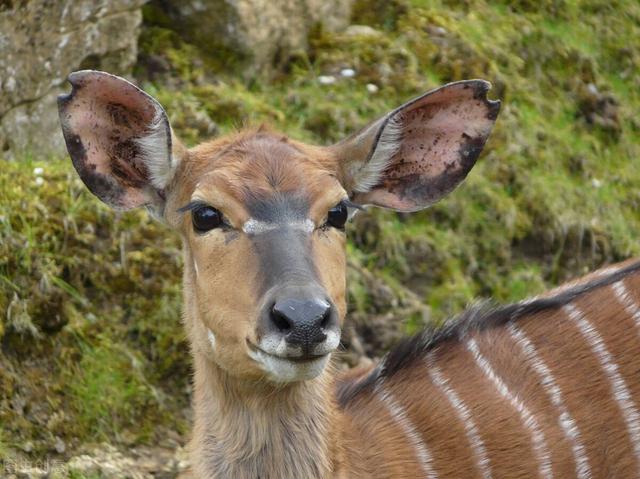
column 262, row 217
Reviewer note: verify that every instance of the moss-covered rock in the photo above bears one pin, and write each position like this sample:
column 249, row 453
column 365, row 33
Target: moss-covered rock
column 252, row 37
column 41, row 42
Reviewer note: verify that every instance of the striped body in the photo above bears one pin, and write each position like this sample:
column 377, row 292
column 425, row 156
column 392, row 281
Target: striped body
column 550, row 393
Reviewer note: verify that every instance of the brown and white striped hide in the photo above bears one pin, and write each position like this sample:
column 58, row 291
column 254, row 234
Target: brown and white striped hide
column 549, row 387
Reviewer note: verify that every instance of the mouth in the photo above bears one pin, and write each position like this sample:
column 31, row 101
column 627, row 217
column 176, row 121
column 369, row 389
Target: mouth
column 284, row 369
column 294, row 359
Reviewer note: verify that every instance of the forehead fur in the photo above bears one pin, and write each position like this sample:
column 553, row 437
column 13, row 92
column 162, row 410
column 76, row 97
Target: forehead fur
column 259, row 163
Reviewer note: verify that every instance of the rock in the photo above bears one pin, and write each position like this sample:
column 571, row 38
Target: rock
column 59, row 445
column 362, row 31
column 258, row 34
column 136, row 463
column 41, row 42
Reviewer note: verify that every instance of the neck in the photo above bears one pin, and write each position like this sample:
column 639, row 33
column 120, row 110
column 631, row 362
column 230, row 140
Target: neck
column 248, row 429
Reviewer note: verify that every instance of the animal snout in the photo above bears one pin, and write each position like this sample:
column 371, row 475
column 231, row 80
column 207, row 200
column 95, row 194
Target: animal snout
column 305, row 324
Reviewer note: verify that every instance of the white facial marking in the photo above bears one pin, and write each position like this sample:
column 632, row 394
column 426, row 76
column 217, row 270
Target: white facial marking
column 329, row 344
column 284, row 370
column 551, row 387
column 621, row 392
column 473, row 435
column 256, row 227
column 195, row 267
column 627, row 301
column 212, row 339
column 529, row 421
column 400, row 416
column 277, row 345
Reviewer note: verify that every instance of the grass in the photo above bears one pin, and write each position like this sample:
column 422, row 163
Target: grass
column 91, row 298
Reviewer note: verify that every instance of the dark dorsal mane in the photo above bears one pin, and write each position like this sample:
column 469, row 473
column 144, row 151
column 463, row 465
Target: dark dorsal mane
column 480, row 316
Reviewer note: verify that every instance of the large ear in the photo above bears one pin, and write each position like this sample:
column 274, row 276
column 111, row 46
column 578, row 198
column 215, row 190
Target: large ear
column 119, row 140
column 413, row 156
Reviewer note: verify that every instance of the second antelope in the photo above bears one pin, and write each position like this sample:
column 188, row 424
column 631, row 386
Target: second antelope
column 543, row 388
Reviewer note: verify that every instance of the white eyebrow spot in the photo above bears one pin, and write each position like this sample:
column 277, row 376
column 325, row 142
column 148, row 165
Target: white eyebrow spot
column 256, row 227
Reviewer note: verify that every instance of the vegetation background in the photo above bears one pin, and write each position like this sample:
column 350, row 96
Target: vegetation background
column 91, row 346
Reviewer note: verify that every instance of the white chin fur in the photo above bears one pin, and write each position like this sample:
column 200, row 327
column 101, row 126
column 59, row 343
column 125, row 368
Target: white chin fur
column 286, row 371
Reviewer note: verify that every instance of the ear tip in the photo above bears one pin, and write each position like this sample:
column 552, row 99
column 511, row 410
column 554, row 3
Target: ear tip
column 80, row 76
column 481, row 89
column 63, row 98
column 77, row 79
column 494, row 108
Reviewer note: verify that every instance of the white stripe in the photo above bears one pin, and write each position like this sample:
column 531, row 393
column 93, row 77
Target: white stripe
column 552, row 388
column 256, row 227
column 473, row 435
column 620, row 391
column 627, row 301
column 538, row 439
column 400, row 416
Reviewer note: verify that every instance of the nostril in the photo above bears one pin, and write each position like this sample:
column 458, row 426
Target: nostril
column 302, row 321
column 280, row 320
column 326, row 318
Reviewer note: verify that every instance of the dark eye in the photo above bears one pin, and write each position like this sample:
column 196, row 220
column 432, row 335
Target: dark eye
column 206, row 218
column 338, row 215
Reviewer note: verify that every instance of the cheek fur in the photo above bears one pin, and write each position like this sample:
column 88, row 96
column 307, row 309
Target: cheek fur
column 328, row 249
column 225, row 284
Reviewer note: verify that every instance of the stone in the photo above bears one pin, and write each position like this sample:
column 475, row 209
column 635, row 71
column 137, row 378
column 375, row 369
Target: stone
column 260, row 35
column 362, row 31
column 41, row 42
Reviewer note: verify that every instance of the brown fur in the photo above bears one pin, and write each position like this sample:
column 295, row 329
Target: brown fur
column 586, row 391
column 298, row 430
column 245, row 426
column 400, row 418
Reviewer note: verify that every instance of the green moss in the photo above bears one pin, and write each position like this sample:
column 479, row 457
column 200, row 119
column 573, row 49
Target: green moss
column 110, row 393
column 82, row 290
column 4, row 447
column 379, row 13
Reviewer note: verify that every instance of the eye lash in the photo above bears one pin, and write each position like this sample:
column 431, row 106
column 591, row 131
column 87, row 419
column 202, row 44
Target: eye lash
column 191, row 206
column 351, row 204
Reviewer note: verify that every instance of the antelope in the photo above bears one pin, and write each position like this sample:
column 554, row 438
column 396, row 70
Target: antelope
column 545, row 387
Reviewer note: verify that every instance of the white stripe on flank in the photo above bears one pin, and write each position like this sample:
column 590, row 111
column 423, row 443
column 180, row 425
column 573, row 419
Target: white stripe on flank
column 537, row 436
column 551, row 387
column 621, row 392
column 627, row 301
column 399, row 414
column 473, row 435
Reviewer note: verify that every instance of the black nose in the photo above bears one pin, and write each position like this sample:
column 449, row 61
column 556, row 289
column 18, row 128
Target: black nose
column 303, row 322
